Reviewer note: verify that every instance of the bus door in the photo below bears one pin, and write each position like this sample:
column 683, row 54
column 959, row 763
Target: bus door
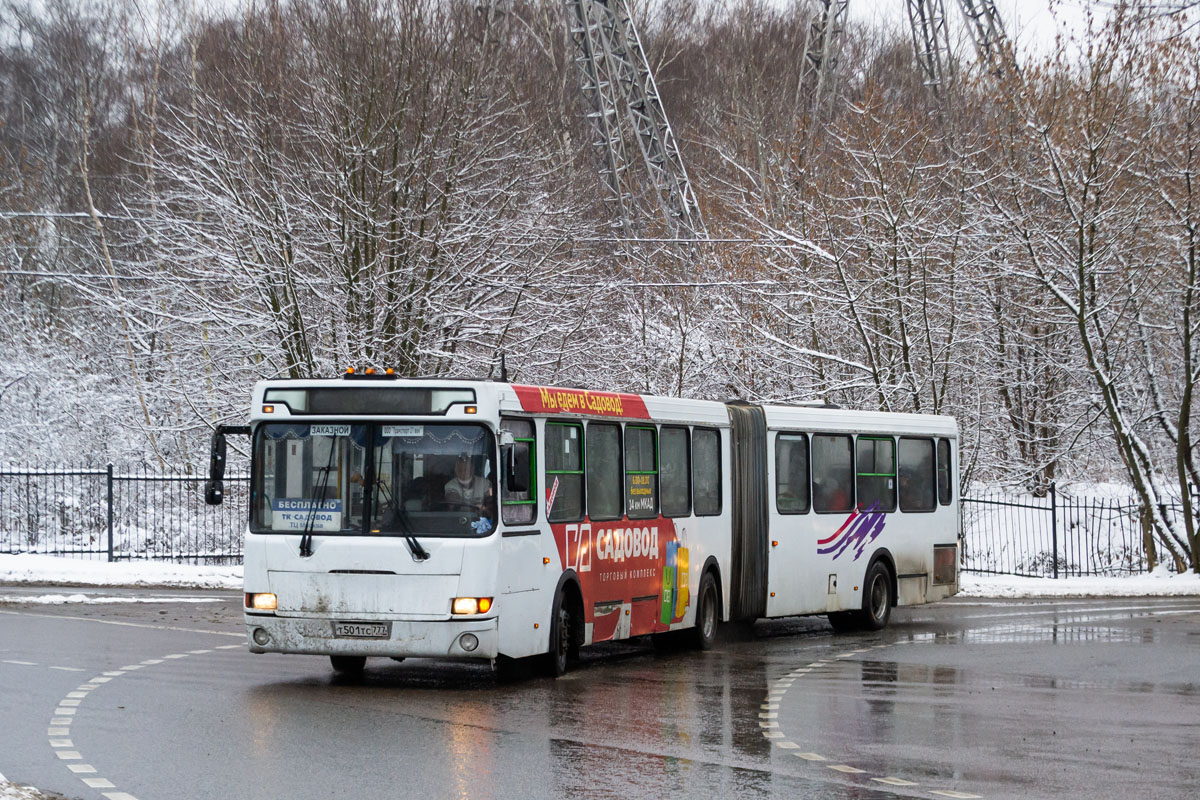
column 797, row 580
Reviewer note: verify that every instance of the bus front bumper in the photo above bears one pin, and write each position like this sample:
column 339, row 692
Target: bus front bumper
column 407, row 638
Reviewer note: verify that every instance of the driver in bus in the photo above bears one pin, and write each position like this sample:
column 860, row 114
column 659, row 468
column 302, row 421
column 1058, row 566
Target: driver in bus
column 466, row 488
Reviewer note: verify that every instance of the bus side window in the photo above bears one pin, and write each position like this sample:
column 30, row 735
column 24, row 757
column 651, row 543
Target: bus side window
column 674, row 472
column 706, row 472
column 641, row 472
column 916, row 475
column 791, row 473
column 564, row 471
column 604, row 471
column 876, row 473
column 833, row 473
column 943, row 471
column 520, row 508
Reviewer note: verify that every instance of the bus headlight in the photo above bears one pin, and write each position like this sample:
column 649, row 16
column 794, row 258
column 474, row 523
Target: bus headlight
column 471, row 605
column 261, row 601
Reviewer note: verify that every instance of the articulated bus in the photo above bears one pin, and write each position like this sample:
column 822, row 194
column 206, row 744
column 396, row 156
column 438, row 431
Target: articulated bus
column 487, row 520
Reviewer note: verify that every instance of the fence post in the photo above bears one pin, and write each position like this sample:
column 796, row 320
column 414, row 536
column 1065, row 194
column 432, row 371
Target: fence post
column 1054, row 526
column 110, row 512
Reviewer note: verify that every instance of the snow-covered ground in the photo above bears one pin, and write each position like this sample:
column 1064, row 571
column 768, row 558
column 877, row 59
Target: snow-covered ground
column 51, row 571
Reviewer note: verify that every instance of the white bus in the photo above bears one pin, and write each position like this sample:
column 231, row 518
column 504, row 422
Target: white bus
column 475, row 519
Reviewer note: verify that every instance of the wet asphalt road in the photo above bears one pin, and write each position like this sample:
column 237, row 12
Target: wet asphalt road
column 1030, row 699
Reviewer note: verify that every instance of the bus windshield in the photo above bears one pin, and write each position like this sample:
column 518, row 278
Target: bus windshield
column 434, row 479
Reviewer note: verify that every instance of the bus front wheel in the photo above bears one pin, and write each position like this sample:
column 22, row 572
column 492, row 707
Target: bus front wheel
column 350, row 666
column 562, row 643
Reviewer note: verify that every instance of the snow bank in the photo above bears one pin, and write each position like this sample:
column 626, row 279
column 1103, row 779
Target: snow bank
column 1160, row 583
column 54, row 571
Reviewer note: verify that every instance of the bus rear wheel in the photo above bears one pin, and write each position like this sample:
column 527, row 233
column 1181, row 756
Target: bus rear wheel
column 707, row 614
column 350, row 666
column 877, row 598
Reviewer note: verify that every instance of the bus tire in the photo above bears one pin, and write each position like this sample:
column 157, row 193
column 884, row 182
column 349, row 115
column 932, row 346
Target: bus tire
column 349, row 666
column 843, row 621
column 562, row 642
column 877, row 597
column 707, row 614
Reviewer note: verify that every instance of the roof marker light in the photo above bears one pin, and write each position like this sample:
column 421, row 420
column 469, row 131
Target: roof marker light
column 349, row 370
column 369, row 371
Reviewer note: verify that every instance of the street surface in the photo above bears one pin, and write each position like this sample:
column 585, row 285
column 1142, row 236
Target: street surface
column 1007, row 699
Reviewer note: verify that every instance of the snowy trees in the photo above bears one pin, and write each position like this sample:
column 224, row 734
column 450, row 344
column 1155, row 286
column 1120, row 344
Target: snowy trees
column 194, row 199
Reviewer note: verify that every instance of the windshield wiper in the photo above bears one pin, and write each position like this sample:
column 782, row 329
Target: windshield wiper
column 306, row 549
column 400, row 514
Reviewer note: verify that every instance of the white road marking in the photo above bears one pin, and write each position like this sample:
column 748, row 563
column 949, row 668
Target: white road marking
column 69, row 669
column 124, row 624
column 771, row 729
column 20, row 663
column 229, row 646
column 69, row 705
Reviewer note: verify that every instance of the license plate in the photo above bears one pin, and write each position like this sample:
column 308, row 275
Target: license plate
column 362, row 630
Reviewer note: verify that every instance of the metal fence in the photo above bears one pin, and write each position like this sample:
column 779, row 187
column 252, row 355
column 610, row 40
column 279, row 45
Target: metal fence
column 114, row 514
column 121, row 514
column 1053, row 536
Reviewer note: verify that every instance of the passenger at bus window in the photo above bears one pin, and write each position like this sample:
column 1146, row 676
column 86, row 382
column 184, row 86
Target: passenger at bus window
column 466, row 488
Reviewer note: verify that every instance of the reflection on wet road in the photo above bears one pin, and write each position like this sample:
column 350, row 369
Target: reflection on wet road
column 1089, row 699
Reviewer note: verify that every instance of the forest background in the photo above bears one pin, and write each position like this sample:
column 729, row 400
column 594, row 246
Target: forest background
column 194, row 197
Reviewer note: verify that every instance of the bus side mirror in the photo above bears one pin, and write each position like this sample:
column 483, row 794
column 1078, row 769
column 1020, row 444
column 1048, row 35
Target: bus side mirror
column 516, row 467
column 214, row 487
